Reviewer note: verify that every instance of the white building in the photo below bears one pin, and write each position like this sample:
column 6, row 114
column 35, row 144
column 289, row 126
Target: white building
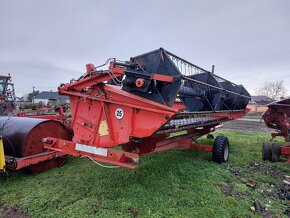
column 53, row 98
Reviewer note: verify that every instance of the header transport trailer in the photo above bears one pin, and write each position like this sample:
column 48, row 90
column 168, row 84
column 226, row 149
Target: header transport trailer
column 138, row 104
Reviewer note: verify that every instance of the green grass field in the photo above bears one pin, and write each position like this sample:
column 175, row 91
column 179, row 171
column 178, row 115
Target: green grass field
column 179, row 183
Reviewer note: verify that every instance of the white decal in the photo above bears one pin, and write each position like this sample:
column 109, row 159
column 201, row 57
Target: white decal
column 119, row 113
column 92, row 149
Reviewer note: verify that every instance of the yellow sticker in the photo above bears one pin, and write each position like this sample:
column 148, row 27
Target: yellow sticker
column 2, row 156
column 103, row 128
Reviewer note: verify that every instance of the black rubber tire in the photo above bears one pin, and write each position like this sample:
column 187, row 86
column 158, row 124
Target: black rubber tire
column 266, row 151
column 221, row 148
column 276, row 152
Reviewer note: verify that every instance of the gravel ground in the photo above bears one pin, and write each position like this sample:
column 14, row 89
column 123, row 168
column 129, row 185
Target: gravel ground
column 246, row 125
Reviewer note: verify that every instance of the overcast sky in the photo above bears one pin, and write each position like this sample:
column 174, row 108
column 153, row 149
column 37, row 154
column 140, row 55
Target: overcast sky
column 45, row 43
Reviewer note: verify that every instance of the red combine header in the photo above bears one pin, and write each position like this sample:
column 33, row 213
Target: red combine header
column 138, row 104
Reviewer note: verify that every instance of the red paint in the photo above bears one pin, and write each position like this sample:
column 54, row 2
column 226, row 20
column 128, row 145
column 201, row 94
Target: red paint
column 40, row 114
column 116, row 157
column 230, row 114
column 39, row 162
column 163, row 78
column 285, row 150
column 139, row 82
column 277, row 117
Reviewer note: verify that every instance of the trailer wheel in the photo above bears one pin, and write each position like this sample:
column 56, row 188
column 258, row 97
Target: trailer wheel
column 276, row 152
column 220, row 152
column 266, row 151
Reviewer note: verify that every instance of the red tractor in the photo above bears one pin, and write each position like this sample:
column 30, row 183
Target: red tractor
column 7, row 95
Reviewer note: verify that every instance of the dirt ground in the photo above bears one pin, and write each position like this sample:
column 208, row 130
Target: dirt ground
column 12, row 212
column 267, row 190
column 245, row 125
column 282, row 192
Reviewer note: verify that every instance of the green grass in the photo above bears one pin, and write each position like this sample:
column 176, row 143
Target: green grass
column 179, row 183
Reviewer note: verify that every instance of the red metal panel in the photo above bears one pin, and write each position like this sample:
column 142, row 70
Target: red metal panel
column 230, row 114
column 201, row 147
column 19, row 163
column 285, row 150
column 178, row 105
column 163, row 78
column 140, row 117
column 110, row 156
column 130, row 157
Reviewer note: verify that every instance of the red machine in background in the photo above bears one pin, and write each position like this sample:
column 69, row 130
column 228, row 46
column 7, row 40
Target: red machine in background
column 23, row 147
column 277, row 117
column 21, row 141
column 139, row 103
column 7, row 95
column 55, row 113
column 21, row 133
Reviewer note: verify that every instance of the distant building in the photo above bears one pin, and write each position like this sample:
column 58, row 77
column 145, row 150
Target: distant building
column 261, row 100
column 258, row 103
column 51, row 98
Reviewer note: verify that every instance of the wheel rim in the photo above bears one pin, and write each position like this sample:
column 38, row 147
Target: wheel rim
column 226, row 152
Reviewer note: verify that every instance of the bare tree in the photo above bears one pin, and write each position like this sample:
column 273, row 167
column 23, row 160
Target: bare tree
column 273, row 89
column 32, row 94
